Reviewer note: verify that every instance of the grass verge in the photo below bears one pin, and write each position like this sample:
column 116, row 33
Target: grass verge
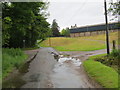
column 12, row 58
column 104, row 75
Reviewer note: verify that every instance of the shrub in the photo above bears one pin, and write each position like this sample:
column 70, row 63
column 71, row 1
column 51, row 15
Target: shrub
column 115, row 53
column 110, row 60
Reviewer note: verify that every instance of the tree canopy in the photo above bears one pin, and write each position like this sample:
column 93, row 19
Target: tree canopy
column 24, row 21
column 114, row 8
column 65, row 32
column 55, row 28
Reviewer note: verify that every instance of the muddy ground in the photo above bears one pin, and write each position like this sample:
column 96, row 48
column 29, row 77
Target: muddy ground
column 14, row 79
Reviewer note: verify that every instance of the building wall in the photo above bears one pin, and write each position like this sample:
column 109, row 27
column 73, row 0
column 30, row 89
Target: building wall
column 81, row 34
column 87, row 33
column 71, row 34
column 77, row 34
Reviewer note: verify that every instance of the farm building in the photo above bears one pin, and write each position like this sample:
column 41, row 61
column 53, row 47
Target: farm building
column 92, row 30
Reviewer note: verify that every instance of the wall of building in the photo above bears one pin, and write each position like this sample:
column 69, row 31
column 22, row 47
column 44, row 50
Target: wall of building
column 81, row 34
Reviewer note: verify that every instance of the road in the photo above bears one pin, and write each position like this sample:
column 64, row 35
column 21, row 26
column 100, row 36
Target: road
column 45, row 71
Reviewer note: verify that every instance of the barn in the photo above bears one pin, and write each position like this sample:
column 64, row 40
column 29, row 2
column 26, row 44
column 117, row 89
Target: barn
column 92, row 29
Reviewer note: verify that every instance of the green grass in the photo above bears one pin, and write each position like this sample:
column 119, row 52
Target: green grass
column 110, row 60
column 12, row 58
column 88, row 43
column 104, row 75
column 73, row 44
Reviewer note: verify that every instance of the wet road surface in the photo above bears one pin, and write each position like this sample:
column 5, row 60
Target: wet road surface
column 45, row 71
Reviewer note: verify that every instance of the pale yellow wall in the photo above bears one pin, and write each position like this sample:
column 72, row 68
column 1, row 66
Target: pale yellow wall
column 89, row 33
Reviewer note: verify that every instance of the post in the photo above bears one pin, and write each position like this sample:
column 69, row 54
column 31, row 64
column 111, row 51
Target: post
column 107, row 33
column 114, row 45
column 24, row 43
column 49, row 42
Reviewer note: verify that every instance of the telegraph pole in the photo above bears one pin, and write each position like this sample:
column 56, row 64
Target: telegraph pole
column 107, row 32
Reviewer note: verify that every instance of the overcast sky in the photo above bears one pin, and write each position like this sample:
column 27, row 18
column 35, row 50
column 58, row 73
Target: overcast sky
column 82, row 12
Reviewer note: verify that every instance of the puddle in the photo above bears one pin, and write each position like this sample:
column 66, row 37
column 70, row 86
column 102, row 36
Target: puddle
column 64, row 75
column 74, row 61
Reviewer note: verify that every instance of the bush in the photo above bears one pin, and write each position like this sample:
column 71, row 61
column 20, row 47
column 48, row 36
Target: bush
column 110, row 60
column 115, row 53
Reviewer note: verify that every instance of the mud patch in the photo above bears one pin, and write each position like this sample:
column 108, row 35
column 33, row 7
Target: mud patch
column 34, row 77
column 14, row 80
column 24, row 68
column 56, row 56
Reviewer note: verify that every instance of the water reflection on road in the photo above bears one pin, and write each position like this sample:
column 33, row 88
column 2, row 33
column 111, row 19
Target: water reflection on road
column 65, row 74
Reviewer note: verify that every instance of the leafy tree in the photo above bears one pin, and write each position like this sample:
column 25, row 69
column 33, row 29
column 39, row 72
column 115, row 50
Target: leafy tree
column 55, row 29
column 6, row 25
column 65, row 32
column 24, row 21
column 114, row 9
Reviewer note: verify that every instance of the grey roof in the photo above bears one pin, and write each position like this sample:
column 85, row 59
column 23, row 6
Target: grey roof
column 99, row 27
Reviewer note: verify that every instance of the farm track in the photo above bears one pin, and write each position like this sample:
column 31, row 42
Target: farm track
column 46, row 72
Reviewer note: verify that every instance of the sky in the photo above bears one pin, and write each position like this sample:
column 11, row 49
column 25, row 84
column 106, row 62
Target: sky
column 81, row 12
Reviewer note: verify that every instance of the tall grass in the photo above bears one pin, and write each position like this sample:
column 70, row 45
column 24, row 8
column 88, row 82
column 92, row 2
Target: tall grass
column 12, row 58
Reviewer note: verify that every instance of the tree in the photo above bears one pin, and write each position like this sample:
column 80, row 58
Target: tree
column 55, row 29
column 65, row 32
column 114, row 8
column 24, row 21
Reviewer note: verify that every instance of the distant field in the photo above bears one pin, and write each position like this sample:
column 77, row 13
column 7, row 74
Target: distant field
column 87, row 43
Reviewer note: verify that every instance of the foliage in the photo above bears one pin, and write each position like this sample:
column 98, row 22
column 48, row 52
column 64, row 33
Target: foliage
column 55, row 29
column 104, row 75
column 24, row 21
column 12, row 58
column 65, row 32
column 111, row 60
column 114, row 8
column 115, row 53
